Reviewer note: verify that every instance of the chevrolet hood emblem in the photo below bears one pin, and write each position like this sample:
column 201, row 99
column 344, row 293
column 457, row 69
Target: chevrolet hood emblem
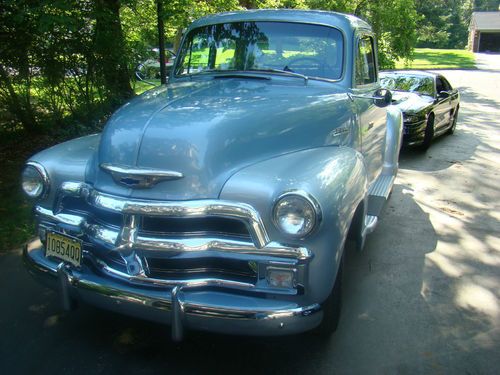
column 139, row 178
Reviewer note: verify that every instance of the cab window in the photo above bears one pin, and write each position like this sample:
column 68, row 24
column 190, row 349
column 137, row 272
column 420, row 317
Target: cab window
column 366, row 72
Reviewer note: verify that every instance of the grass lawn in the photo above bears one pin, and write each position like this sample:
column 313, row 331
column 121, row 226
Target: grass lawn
column 426, row 58
column 139, row 87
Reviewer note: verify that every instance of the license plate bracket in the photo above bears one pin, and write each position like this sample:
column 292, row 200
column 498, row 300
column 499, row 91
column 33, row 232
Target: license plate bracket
column 63, row 247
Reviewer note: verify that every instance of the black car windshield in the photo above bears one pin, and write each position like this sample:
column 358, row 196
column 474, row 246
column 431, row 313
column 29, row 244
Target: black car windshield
column 419, row 84
column 311, row 50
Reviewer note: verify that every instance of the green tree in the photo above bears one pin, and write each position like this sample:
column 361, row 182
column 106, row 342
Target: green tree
column 393, row 21
column 445, row 23
column 17, row 40
column 60, row 59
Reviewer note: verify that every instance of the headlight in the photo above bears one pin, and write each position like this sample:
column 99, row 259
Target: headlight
column 413, row 117
column 35, row 180
column 296, row 214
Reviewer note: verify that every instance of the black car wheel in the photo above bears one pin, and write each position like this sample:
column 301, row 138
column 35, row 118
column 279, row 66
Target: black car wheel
column 429, row 132
column 453, row 121
column 332, row 306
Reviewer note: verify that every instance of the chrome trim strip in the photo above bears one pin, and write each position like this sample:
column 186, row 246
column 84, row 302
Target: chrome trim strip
column 187, row 209
column 214, row 244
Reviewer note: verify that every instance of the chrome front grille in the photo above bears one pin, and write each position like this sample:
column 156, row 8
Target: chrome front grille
column 166, row 243
column 159, row 225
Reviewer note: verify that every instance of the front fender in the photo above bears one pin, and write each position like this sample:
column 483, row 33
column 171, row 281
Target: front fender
column 334, row 176
column 66, row 161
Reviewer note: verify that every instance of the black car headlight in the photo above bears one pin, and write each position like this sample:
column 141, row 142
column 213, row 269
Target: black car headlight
column 296, row 214
column 35, row 180
column 411, row 117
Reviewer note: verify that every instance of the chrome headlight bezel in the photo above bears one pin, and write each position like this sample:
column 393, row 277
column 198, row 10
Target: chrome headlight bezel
column 308, row 204
column 38, row 173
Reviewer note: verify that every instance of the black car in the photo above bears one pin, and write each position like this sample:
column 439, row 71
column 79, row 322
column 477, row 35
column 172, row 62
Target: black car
column 428, row 102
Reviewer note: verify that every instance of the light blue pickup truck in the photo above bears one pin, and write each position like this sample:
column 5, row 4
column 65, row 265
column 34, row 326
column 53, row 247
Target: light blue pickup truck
column 224, row 200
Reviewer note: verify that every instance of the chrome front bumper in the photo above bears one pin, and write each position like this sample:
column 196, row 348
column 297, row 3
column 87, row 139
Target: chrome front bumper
column 202, row 304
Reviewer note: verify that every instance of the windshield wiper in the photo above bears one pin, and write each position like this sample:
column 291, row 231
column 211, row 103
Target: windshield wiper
column 282, row 71
column 228, row 73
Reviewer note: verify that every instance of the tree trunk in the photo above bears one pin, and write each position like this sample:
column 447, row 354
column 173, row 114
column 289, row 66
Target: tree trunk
column 161, row 41
column 110, row 50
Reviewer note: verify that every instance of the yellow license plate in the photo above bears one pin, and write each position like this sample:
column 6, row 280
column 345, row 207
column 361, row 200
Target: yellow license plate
column 64, row 247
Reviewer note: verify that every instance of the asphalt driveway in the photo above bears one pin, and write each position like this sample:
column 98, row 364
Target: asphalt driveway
column 488, row 61
column 423, row 298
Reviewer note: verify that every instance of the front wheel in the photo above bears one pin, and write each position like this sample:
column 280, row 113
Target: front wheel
column 332, row 306
column 429, row 132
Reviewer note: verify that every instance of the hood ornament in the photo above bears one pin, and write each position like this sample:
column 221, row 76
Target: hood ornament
column 139, row 178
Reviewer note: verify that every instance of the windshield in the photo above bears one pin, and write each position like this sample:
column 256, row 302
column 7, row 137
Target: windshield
column 311, row 50
column 418, row 84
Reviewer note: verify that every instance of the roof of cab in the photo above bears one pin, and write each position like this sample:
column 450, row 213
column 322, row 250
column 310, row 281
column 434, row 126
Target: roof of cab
column 343, row 21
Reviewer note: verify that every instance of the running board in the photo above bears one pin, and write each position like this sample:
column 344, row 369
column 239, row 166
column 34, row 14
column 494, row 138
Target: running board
column 377, row 196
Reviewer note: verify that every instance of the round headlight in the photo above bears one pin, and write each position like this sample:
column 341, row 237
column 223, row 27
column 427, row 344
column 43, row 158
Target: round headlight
column 296, row 214
column 34, row 180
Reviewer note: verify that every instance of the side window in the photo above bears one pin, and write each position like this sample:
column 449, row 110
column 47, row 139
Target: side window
column 439, row 85
column 365, row 62
column 446, row 84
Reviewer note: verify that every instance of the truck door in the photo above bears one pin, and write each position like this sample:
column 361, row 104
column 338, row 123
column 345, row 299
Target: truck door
column 371, row 118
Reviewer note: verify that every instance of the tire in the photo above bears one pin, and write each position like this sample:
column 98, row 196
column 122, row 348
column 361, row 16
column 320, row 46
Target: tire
column 453, row 121
column 429, row 132
column 332, row 306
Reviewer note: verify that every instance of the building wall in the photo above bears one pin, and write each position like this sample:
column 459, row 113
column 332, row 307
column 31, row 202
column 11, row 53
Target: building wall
column 474, row 38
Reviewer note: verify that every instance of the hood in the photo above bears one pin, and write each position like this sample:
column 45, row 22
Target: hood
column 208, row 130
column 410, row 101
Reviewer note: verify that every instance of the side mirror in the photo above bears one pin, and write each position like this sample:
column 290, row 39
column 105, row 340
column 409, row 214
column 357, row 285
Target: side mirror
column 444, row 94
column 382, row 98
column 146, row 74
